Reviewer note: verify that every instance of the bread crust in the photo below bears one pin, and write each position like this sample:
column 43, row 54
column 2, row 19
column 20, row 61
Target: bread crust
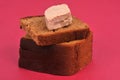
column 61, row 59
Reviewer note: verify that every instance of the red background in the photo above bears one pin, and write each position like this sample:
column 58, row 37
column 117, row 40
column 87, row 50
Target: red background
column 103, row 16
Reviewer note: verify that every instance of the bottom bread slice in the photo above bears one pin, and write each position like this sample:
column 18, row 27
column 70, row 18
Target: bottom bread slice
column 61, row 59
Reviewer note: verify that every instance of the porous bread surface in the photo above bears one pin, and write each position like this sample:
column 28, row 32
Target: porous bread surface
column 38, row 25
column 35, row 26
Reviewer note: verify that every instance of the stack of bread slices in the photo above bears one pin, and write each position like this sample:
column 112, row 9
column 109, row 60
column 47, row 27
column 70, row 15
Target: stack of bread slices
column 56, row 45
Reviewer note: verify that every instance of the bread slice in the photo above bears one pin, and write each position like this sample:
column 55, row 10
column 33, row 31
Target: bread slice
column 61, row 59
column 35, row 26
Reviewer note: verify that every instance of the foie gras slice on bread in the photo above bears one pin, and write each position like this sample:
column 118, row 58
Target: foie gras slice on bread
column 62, row 59
column 35, row 26
column 58, row 16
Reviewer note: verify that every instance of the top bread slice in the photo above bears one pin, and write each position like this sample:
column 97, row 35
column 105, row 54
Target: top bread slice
column 35, row 26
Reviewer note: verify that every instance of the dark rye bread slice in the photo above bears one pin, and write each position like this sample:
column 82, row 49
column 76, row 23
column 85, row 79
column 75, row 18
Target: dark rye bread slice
column 61, row 59
column 35, row 26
